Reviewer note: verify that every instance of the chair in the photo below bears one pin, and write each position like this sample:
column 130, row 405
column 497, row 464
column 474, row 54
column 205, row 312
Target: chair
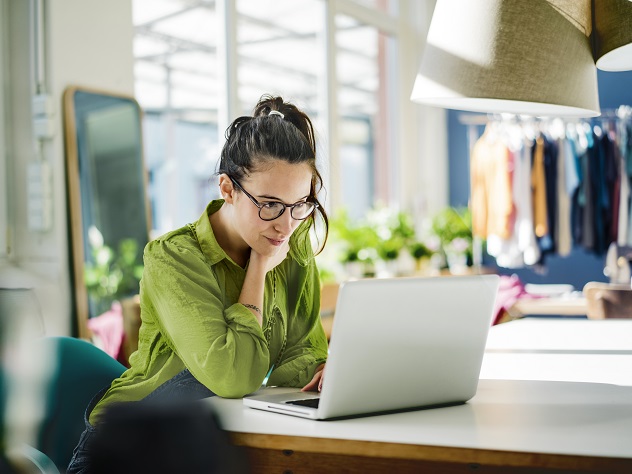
column 30, row 460
column 20, row 322
column 328, row 299
column 81, row 370
column 606, row 300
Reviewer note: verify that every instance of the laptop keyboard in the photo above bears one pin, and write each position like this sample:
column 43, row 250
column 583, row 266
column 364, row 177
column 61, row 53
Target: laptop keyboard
column 308, row 402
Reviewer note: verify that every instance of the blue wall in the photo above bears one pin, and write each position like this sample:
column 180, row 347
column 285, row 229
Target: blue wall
column 615, row 89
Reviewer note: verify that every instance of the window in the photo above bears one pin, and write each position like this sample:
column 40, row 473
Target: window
column 365, row 58
column 279, row 52
column 175, row 49
column 278, row 47
column 387, row 6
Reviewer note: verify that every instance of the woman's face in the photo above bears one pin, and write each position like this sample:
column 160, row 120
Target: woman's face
column 274, row 181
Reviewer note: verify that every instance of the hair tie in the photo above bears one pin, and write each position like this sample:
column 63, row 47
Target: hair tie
column 276, row 112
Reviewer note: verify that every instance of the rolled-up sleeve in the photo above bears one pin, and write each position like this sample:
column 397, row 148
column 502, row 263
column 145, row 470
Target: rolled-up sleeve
column 307, row 343
column 221, row 344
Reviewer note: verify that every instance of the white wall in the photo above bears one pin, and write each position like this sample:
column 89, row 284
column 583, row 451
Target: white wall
column 88, row 43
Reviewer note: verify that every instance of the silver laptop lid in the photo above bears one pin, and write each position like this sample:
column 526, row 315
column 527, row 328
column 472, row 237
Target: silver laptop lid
column 406, row 342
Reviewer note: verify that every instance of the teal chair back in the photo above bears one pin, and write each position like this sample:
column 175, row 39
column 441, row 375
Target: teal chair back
column 82, row 369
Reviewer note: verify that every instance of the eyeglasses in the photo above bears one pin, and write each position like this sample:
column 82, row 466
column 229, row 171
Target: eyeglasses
column 268, row 211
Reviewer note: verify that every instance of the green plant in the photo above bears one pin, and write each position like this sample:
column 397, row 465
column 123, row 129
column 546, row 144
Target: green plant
column 110, row 275
column 395, row 230
column 451, row 223
column 453, row 227
column 419, row 250
column 356, row 240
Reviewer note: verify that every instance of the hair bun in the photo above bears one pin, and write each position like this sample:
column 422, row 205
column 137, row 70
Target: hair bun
column 267, row 104
column 273, row 105
column 276, row 112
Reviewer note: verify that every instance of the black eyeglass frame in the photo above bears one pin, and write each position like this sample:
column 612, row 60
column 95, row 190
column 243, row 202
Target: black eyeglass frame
column 285, row 206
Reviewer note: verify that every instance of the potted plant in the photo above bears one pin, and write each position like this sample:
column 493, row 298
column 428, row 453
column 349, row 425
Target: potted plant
column 453, row 227
column 355, row 243
column 111, row 275
column 394, row 231
column 421, row 253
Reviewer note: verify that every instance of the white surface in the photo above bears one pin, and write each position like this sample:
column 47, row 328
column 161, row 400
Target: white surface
column 558, row 417
column 523, row 416
column 595, row 351
column 562, row 335
column 590, row 368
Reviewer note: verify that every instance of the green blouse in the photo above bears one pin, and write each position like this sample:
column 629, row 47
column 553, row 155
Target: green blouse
column 191, row 319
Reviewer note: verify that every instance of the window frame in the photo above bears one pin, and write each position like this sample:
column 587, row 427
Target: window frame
column 4, row 135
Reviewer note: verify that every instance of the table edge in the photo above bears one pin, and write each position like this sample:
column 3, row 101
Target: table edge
column 444, row 454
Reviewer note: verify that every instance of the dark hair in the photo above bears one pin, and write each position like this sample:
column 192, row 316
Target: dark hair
column 251, row 140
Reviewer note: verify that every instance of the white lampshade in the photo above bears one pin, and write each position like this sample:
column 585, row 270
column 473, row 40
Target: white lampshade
column 612, row 34
column 513, row 56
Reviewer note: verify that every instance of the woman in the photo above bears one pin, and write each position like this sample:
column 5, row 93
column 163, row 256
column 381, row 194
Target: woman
column 234, row 297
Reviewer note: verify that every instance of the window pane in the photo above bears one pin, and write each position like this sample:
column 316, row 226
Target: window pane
column 175, row 49
column 387, row 6
column 365, row 65
column 279, row 51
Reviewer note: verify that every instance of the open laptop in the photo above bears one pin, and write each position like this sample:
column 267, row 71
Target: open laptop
column 398, row 344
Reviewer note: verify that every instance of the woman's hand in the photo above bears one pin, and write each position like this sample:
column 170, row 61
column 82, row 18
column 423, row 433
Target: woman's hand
column 317, row 381
column 252, row 290
column 267, row 263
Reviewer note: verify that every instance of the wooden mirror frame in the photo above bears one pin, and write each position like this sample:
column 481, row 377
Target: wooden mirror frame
column 78, row 241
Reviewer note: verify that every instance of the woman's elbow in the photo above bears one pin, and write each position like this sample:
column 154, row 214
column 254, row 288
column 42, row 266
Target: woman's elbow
column 237, row 390
column 235, row 383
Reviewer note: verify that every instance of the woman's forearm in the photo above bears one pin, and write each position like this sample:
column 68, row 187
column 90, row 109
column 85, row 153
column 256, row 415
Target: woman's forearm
column 251, row 295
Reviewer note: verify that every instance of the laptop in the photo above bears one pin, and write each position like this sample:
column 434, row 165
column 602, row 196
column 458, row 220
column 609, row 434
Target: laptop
column 398, row 344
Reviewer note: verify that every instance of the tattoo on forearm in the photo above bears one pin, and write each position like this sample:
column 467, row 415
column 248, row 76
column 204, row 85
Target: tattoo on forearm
column 252, row 306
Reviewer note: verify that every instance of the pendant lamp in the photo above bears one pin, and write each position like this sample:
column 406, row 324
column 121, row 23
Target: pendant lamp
column 612, row 34
column 513, row 56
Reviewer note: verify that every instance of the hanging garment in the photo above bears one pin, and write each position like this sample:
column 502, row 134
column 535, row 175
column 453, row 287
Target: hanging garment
column 602, row 171
column 538, row 189
column 507, row 250
column 524, row 228
column 491, row 188
column 628, row 168
column 547, row 243
column 624, row 189
column 615, row 192
column 566, row 184
column 586, row 194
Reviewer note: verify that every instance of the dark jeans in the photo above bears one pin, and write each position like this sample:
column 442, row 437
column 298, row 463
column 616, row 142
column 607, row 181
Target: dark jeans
column 182, row 387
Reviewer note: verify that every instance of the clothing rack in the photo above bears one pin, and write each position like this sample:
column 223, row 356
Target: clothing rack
column 623, row 112
column 611, row 122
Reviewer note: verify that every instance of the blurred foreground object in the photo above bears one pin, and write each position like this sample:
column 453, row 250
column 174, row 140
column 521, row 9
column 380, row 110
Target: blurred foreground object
column 150, row 437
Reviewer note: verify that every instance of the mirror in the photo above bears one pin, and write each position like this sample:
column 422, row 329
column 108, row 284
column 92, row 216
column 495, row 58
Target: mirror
column 108, row 209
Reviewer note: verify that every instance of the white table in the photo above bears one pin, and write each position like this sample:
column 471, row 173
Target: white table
column 557, row 335
column 575, row 350
column 521, row 417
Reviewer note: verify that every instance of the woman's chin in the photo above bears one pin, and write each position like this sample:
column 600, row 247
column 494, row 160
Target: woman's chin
column 267, row 250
